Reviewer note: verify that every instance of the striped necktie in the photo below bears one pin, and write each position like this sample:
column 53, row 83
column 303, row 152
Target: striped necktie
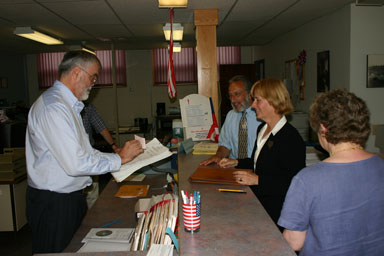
column 243, row 136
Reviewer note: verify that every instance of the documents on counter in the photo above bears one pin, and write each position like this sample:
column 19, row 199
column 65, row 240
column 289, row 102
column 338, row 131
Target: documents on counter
column 154, row 152
column 152, row 226
column 160, row 250
column 215, row 174
column 205, row 148
column 107, row 239
column 132, row 191
column 197, row 116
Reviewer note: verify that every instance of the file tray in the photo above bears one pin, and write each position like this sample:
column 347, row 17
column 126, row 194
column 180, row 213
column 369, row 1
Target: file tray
column 215, row 175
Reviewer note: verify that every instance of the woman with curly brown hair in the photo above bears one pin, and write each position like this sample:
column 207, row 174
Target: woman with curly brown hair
column 336, row 207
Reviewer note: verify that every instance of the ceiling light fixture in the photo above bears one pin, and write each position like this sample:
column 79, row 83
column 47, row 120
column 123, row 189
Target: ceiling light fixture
column 177, row 31
column 29, row 33
column 81, row 48
column 176, row 47
column 173, row 3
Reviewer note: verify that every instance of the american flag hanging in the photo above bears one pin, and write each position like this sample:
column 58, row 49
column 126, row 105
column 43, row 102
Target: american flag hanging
column 213, row 133
column 171, row 73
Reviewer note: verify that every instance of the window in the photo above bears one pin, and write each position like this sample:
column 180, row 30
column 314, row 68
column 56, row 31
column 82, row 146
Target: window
column 48, row 64
column 185, row 63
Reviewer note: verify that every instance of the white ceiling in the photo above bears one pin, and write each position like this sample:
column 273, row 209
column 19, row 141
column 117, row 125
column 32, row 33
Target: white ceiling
column 138, row 24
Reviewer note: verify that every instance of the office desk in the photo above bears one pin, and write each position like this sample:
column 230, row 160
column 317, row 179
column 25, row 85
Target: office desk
column 231, row 223
column 13, row 186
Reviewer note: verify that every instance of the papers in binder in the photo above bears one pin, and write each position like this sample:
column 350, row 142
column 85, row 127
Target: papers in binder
column 154, row 152
column 197, row 116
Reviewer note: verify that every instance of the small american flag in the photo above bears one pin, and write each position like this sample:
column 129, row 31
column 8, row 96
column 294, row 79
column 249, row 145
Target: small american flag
column 197, row 210
column 171, row 73
column 213, row 132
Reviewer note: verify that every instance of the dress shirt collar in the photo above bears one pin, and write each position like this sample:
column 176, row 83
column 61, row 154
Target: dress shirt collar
column 279, row 125
column 69, row 97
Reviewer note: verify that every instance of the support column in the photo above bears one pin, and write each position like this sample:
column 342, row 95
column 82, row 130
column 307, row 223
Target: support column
column 206, row 22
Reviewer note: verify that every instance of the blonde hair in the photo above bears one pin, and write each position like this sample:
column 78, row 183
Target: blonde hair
column 275, row 92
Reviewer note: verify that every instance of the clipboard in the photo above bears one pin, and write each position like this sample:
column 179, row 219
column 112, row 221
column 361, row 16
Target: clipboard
column 215, row 175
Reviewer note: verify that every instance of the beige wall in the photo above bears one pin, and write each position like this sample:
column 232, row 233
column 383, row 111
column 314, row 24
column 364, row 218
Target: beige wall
column 349, row 34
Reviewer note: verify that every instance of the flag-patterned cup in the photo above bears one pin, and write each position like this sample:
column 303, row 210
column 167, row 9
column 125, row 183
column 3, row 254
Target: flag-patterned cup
column 191, row 217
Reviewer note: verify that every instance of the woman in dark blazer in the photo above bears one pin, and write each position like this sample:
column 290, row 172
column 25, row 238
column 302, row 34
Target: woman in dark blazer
column 279, row 152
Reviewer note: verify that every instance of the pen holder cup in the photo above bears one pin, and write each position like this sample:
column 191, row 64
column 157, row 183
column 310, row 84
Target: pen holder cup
column 191, row 217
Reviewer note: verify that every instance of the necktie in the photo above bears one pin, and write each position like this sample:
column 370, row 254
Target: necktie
column 243, row 136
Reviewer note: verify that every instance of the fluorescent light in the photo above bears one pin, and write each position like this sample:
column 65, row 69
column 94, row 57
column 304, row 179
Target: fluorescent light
column 176, row 47
column 88, row 50
column 29, row 33
column 177, row 31
column 81, row 48
column 173, row 3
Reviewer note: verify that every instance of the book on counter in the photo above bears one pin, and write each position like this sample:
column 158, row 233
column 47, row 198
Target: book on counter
column 132, row 191
column 215, row 174
column 154, row 151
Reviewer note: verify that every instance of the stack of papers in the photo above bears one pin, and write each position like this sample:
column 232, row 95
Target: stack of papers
column 107, row 239
column 151, row 228
column 205, row 148
column 155, row 151
column 161, row 250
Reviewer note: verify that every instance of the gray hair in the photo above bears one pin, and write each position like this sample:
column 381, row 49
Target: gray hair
column 244, row 79
column 77, row 58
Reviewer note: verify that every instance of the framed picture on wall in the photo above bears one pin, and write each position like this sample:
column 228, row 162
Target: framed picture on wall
column 375, row 70
column 323, row 72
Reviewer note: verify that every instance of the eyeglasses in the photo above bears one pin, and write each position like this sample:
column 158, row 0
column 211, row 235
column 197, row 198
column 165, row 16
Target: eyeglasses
column 93, row 78
column 235, row 94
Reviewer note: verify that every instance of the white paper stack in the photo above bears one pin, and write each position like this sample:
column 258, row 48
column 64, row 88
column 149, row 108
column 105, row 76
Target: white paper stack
column 154, row 152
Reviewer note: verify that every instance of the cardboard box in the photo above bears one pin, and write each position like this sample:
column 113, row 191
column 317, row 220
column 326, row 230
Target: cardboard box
column 142, row 206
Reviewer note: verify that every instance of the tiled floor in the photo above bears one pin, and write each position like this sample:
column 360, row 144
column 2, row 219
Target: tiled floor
column 20, row 243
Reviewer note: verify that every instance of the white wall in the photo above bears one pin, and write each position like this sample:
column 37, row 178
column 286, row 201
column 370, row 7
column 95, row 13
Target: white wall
column 367, row 38
column 349, row 34
column 331, row 33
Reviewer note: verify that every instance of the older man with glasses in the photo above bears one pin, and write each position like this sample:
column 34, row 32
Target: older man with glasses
column 60, row 158
column 238, row 133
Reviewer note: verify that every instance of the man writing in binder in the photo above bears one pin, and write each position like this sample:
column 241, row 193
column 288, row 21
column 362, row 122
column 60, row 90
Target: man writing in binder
column 60, row 158
column 238, row 134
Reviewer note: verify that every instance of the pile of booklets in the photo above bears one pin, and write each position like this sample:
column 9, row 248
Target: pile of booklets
column 13, row 160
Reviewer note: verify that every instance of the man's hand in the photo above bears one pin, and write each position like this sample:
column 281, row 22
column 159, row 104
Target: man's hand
column 130, row 150
column 221, row 152
column 212, row 159
column 228, row 163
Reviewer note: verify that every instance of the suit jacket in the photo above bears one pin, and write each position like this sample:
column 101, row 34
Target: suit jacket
column 281, row 158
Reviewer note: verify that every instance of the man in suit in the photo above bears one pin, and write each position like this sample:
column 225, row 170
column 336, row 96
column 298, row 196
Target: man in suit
column 241, row 117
